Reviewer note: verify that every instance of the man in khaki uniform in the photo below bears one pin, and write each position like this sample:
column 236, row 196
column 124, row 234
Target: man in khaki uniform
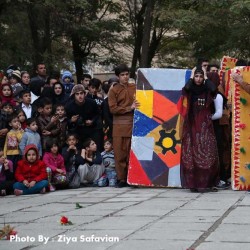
column 122, row 103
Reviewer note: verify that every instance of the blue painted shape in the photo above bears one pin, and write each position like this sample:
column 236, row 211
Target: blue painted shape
column 143, row 124
column 172, row 95
column 187, row 76
column 154, row 168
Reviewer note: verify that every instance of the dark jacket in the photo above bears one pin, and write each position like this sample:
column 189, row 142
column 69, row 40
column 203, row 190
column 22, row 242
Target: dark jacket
column 87, row 111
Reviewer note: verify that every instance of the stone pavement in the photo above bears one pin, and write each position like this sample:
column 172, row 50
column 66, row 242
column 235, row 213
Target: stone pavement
column 128, row 219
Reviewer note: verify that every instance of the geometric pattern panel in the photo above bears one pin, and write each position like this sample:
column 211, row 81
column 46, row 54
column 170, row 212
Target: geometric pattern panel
column 155, row 150
column 240, row 132
column 143, row 121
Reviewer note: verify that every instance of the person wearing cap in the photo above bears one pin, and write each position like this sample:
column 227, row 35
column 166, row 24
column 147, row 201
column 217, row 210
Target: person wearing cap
column 122, row 103
column 82, row 114
column 15, row 79
column 199, row 154
column 67, row 80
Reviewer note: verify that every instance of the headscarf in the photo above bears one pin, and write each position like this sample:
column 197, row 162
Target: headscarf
column 9, row 99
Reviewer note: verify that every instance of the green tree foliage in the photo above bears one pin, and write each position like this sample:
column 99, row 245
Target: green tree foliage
column 165, row 32
column 54, row 28
column 211, row 28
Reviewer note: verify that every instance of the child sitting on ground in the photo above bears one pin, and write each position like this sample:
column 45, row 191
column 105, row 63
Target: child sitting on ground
column 55, row 166
column 91, row 168
column 72, row 158
column 6, row 175
column 31, row 173
column 109, row 177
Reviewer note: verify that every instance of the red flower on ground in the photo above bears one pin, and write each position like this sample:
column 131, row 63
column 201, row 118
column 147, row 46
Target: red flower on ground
column 65, row 221
column 11, row 233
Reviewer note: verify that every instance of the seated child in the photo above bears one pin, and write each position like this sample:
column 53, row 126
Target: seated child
column 91, row 168
column 72, row 158
column 55, row 166
column 109, row 177
column 31, row 173
column 6, row 175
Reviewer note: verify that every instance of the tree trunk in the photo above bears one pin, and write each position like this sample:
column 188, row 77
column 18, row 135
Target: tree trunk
column 77, row 52
column 154, row 45
column 146, row 33
column 138, row 39
column 40, row 33
column 37, row 56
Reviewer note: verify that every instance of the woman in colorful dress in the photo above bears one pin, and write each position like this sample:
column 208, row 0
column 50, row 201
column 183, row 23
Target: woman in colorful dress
column 199, row 154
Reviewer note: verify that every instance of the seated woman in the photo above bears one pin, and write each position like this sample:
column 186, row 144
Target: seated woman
column 31, row 173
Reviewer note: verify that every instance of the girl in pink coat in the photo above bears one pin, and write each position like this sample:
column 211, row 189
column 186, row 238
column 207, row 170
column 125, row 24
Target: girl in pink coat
column 55, row 166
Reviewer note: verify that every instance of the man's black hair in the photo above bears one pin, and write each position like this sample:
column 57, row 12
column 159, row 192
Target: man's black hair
column 213, row 65
column 86, row 76
column 201, row 60
column 121, row 68
column 95, row 83
column 40, row 63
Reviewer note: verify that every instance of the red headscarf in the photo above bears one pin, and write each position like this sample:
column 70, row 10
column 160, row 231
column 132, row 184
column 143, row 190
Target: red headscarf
column 8, row 99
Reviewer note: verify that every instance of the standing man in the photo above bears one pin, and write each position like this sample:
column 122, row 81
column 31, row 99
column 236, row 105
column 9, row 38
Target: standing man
column 41, row 73
column 204, row 63
column 122, row 103
column 82, row 115
column 85, row 81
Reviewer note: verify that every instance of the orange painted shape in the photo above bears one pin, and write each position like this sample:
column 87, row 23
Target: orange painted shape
column 171, row 159
column 163, row 108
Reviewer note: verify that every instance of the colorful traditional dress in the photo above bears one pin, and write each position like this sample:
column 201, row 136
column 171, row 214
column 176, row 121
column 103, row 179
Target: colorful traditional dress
column 199, row 154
